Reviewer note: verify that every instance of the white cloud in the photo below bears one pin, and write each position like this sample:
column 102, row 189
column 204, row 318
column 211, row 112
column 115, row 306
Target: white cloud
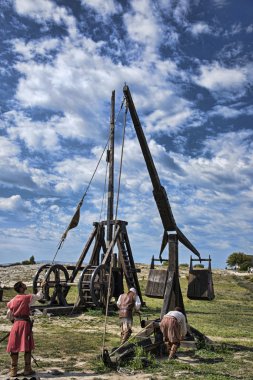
column 142, row 26
column 181, row 10
column 29, row 50
column 14, row 203
column 220, row 3
column 199, row 28
column 228, row 169
column 160, row 120
column 8, row 148
column 249, row 28
column 44, row 11
column 17, row 172
column 37, row 135
column 215, row 77
column 226, row 112
column 105, row 8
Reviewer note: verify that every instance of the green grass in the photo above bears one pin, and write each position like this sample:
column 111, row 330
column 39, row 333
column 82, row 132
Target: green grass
column 74, row 343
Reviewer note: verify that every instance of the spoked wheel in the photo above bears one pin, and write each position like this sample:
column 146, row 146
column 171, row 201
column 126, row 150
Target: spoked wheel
column 84, row 285
column 37, row 280
column 99, row 284
column 56, row 286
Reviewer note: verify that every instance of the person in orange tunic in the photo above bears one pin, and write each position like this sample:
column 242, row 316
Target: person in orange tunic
column 21, row 337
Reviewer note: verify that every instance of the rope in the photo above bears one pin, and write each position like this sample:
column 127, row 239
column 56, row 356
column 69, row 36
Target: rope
column 102, row 203
column 110, row 275
column 82, row 199
column 80, row 203
column 116, row 213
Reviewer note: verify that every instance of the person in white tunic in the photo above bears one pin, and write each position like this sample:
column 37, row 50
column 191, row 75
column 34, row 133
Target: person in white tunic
column 174, row 329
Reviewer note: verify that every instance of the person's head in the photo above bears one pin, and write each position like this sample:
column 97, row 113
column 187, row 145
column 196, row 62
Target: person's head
column 20, row 287
column 178, row 309
column 133, row 290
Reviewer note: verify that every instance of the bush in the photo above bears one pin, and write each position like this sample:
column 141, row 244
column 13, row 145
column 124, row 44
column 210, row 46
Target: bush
column 29, row 262
column 184, row 265
column 199, row 266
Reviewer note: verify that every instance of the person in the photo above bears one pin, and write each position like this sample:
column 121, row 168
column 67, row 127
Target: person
column 21, row 337
column 127, row 303
column 174, row 329
column 1, row 291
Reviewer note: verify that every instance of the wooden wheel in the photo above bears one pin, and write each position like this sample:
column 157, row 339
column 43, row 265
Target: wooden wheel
column 99, row 284
column 84, row 285
column 56, row 285
column 38, row 278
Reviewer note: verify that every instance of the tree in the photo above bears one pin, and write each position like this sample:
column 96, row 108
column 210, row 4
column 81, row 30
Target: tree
column 237, row 258
column 32, row 260
column 28, row 262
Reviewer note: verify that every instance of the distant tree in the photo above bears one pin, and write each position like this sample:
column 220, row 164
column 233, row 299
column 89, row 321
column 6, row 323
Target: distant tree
column 236, row 258
column 29, row 262
column 245, row 265
column 25, row 262
column 32, row 260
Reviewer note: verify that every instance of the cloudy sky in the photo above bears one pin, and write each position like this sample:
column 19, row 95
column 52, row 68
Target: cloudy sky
column 188, row 64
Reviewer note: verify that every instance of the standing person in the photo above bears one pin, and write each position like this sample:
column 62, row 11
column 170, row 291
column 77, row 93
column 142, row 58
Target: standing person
column 1, row 291
column 127, row 303
column 174, row 329
column 21, row 337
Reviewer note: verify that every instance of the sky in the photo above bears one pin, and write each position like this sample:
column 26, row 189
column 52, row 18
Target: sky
column 188, row 64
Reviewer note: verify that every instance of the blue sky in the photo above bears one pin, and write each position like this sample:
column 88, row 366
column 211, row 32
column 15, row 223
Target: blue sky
column 189, row 67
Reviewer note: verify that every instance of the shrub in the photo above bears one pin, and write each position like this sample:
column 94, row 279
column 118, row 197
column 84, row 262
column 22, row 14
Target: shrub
column 142, row 359
column 199, row 266
column 184, row 265
column 29, row 262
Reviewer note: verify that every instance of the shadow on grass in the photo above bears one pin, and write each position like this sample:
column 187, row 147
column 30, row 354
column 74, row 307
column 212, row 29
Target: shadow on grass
column 238, row 347
column 67, row 375
column 215, row 313
column 191, row 358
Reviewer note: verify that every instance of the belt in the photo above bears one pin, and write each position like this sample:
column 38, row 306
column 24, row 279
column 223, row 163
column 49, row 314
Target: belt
column 22, row 319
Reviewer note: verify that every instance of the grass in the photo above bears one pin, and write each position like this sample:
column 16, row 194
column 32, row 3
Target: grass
column 74, row 343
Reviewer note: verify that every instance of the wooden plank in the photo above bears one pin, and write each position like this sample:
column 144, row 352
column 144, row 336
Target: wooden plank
column 156, row 284
column 200, row 285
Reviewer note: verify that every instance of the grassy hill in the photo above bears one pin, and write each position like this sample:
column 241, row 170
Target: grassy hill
column 72, row 344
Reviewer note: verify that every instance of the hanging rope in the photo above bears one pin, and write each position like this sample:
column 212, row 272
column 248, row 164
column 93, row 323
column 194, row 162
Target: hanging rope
column 103, row 198
column 116, row 213
column 75, row 219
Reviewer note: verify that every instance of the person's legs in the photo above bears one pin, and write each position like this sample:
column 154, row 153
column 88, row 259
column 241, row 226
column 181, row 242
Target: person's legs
column 14, row 364
column 126, row 331
column 173, row 350
column 169, row 344
column 28, row 368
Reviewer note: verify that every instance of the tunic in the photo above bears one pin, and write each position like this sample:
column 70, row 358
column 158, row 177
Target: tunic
column 21, row 337
column 126, row 303
column 173, row 326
